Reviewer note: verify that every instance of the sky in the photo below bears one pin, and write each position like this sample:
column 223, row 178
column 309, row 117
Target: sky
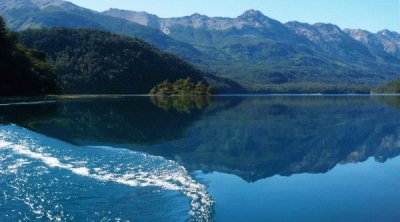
column 372, row 15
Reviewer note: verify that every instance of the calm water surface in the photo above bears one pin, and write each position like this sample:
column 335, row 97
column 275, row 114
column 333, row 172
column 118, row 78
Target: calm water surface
column 271, row 158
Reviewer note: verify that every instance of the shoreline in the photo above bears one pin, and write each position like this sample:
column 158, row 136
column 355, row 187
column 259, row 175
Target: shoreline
column 111, row 96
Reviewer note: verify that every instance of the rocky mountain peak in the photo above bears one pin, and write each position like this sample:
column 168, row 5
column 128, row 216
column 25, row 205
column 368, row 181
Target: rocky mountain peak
column 328, row 27
column 198, row 16
column 7, row 6
column 142, row 18
column 388, row 34
column 56, row 3
column 252, row 14
column 256, row 19
column 358, row 34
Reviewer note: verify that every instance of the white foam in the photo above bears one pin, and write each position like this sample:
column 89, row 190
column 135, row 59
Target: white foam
column 4, row 144
column 48, row 160
column 142, row 176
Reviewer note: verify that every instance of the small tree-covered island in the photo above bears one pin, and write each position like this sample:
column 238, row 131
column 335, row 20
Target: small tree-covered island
column 181, row 87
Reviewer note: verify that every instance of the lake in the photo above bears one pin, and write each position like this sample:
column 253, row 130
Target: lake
column 223, row 158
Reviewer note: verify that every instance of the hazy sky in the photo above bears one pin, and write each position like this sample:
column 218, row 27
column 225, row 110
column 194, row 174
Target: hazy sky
column 372, row 15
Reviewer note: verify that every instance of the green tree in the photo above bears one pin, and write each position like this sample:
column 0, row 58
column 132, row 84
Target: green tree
column 23, row 71
column 181, row 87
column 97, row 62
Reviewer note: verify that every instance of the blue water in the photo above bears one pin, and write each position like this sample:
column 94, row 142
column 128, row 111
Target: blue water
column 364, row 192
column 280, row 158
column 46, row 179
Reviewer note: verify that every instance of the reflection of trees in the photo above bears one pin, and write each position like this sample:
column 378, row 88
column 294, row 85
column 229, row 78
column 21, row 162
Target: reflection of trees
column 182, row 104
column 20, row 114
column 393, row 101
column 254, row 138
column 110, row 121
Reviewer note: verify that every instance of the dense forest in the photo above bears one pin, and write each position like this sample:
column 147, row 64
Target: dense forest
column 390, row 88
column 23, row 71
column 93, row 62
column 181, row 87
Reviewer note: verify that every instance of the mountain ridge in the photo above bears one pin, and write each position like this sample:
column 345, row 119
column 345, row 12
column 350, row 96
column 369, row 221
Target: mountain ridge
column 259, row 52
column 25, row 14
column 257, row 17
column 257, row 40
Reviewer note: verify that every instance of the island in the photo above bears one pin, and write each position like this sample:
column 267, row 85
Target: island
column 183, row 87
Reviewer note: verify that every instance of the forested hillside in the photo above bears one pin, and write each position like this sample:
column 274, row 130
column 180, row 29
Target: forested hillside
column 89, row 61
column 23, row 71
column 389, row 88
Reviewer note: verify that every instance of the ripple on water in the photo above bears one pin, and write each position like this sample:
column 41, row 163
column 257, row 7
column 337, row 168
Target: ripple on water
column 36, row 166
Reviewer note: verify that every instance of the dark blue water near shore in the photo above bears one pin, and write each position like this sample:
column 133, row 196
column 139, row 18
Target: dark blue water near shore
column 274, row 158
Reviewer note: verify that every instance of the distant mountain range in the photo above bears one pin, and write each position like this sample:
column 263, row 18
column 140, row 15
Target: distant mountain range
column 261, row 53
column 253, row 24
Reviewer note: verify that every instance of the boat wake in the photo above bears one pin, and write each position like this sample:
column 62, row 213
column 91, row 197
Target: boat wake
column 19, row 147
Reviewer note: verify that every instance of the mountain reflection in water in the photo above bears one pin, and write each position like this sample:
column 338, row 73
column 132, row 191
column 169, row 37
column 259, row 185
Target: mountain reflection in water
column 251, row 137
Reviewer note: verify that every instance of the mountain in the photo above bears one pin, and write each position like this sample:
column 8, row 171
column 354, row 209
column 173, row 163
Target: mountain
column 331, row 39
column 93, row 62
column 258, row 50
column 24, row 71
column 252, row 24
column 24, row 14
column 384, row 40
column 262, row 54
column 201, row 30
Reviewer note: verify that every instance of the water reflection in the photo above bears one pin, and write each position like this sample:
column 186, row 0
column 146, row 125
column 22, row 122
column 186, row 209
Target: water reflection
column 263, row 137
column 182, row 104
column 102, row 121
column 252, row 137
